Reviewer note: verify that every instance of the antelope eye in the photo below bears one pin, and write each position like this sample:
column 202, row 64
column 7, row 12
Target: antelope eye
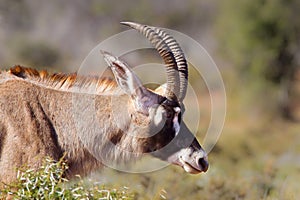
column 168, row 115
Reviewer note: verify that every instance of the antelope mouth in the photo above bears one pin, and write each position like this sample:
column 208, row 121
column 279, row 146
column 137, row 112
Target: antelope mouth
column 190, row 168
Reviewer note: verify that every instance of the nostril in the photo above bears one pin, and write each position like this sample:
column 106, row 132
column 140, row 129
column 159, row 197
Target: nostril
column 203, row 163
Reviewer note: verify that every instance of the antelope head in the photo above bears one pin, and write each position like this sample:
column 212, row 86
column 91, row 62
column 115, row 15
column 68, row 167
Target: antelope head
column 168, row 138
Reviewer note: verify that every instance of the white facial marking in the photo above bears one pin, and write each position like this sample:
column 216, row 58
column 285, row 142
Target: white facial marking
column 158, row 118
column 176, row 124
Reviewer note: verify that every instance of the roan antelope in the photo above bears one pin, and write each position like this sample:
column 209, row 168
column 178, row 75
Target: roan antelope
column 37, row 115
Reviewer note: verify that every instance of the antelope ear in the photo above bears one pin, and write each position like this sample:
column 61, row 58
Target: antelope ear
column 131, row 84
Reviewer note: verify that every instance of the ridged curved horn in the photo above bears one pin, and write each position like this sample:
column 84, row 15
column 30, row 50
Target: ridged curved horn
column 179, row 58
column 161, row 45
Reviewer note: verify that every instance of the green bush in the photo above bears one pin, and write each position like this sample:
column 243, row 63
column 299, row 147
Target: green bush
column 48, row 182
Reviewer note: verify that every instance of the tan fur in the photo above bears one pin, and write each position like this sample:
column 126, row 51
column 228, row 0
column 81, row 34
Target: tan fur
column 90, row 120
column 37, row 120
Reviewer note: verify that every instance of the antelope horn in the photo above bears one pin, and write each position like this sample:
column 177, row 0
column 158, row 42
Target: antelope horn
column 179, row 59
column 161, row 45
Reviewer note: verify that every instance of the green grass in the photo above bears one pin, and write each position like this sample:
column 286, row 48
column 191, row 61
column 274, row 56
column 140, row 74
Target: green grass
column 48, row 183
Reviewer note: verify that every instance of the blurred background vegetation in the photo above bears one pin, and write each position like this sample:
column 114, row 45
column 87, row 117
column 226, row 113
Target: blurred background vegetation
column 255, row 44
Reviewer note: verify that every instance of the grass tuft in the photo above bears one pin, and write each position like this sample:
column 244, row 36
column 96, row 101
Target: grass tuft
column 48, row 182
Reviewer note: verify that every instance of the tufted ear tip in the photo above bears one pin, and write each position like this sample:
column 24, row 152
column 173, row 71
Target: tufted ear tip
column 108, row 57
